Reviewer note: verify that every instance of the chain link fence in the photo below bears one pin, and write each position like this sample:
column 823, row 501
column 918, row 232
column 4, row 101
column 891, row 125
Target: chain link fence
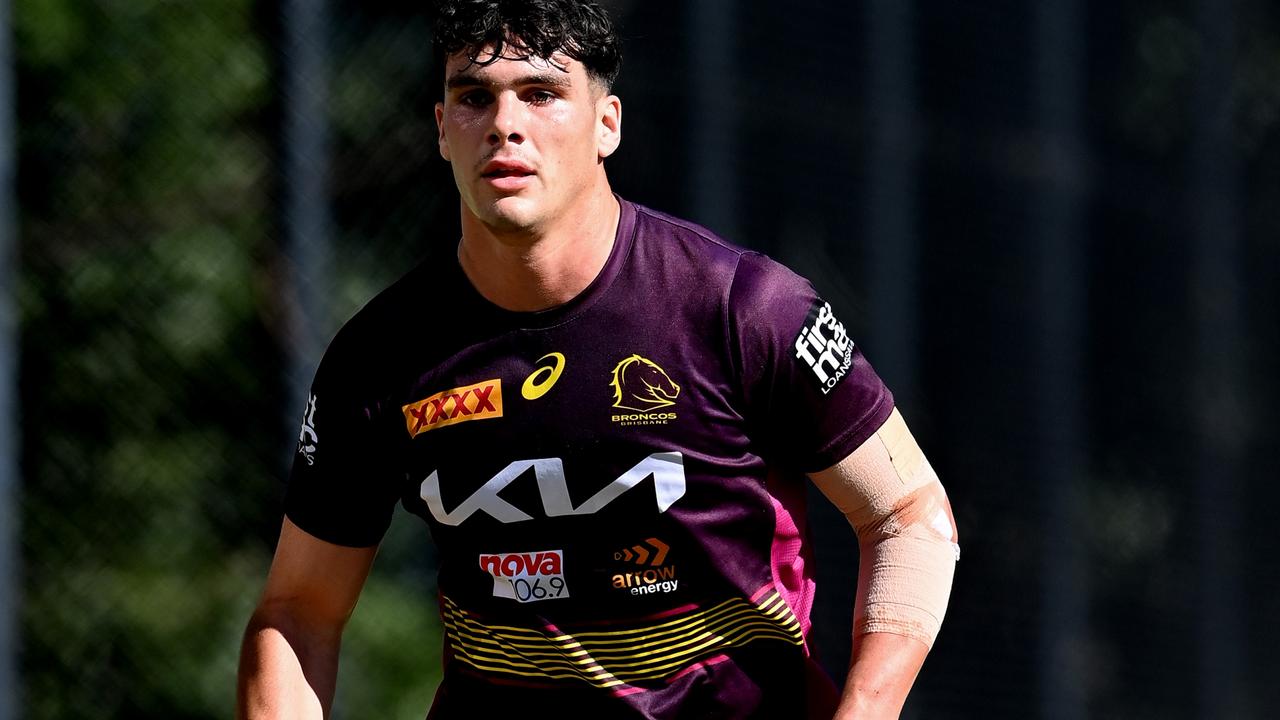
column 907, row 148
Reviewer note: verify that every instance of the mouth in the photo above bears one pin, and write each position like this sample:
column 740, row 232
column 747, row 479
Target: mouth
column 499, row 169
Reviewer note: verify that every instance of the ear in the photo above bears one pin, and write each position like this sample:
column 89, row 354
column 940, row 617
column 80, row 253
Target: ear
column 609, row 127
column 444, row 142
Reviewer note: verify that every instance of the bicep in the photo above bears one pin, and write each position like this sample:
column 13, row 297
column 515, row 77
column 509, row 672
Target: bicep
column 317, row 580
column 895, row 502
column 887, row 486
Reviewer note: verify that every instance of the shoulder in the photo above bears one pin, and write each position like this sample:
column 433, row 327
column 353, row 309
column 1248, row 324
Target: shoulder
column 685, row 245
column 375, row 326
column 749, row 271
column 691, row 261
column 656, row 221
column 692, row 256
column 373, row 348
column 761, row 279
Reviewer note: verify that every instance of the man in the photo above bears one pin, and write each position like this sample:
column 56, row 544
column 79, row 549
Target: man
column 604, row 415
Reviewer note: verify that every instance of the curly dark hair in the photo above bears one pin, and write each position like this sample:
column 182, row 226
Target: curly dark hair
column 529, row 28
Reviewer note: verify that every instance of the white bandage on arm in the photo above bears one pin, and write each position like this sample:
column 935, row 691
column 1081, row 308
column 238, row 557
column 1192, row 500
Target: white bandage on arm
column 906, row 534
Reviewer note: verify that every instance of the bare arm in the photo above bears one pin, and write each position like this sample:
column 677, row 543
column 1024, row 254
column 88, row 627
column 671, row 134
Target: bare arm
column 883, row 669
column 289, row 659
column 907, row 542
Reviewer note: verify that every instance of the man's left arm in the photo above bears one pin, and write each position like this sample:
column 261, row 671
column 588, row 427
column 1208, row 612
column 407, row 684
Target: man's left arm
column 908, row 548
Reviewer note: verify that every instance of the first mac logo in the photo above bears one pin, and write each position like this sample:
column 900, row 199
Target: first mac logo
column 458, row 405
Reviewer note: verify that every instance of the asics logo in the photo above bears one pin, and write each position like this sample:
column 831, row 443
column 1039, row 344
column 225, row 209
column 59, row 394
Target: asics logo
column 544, row 378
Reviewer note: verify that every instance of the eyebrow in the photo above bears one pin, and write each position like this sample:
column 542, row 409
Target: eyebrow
column 466, row 80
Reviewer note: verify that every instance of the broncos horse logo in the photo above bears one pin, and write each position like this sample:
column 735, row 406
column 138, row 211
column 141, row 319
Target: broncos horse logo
column 640, row 385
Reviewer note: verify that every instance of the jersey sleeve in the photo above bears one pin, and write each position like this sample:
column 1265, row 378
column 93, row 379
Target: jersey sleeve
column 810, row 396
column 342, row 488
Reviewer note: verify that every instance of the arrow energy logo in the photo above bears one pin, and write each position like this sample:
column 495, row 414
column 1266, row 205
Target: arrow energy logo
column 640, row 554
column 656, row 577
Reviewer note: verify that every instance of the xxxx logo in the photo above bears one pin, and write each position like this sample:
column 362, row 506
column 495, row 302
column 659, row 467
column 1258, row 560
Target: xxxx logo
column 473, row 402
column 542, row 379
column 652, row 552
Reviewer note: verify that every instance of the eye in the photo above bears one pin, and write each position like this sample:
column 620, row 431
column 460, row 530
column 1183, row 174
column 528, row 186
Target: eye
column 541, row 97
column 475, row 98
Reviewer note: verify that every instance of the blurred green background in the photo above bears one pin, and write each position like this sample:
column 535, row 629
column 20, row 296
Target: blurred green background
column 156, row 419
column 1057, row 223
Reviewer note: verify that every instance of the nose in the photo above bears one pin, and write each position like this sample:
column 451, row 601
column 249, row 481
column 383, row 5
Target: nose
column 507, row 117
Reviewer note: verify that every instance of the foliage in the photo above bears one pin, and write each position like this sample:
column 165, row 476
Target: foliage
column 155, row 433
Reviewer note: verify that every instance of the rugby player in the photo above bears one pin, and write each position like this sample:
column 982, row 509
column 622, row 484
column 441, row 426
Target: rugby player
column 605, row 415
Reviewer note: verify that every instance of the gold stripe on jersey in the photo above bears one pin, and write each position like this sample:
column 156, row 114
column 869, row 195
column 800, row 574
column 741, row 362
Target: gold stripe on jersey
column 610, row 658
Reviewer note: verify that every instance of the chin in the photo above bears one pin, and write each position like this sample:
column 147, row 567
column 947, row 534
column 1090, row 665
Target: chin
column 510, row 213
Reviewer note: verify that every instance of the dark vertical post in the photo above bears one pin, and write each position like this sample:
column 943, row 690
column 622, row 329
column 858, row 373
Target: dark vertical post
column 9, row 420
column 1059, row 332
column 305, row 168
column 10, row 580
column 893, row 243
column 1216, row 392
column 710, row 36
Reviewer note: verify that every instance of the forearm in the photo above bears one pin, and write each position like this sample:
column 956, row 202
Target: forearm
column 883, row 669
column 285, row 673
column 908, row 551
column 899, row 580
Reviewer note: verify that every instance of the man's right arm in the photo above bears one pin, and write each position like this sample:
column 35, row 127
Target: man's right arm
column 289, row 659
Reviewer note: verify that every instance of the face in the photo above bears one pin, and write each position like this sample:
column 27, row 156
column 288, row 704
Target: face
column 525, row 138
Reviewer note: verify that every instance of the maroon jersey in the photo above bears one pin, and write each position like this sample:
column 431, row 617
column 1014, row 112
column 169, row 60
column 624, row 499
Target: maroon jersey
column 615, row 485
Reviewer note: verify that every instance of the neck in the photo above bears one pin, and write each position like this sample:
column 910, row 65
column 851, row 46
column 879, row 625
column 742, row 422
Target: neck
column 531, row 269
